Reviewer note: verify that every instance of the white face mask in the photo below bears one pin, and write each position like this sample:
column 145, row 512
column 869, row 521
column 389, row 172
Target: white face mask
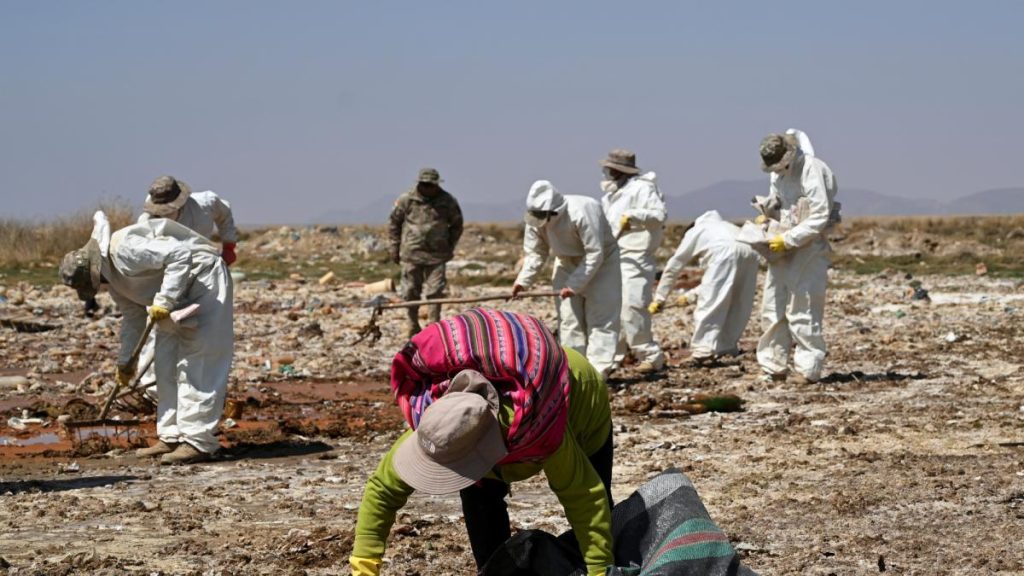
column 609, row 186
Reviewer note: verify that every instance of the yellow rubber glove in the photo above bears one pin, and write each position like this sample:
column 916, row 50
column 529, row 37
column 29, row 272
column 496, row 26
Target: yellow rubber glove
column 624, row 223
column 364, row 566
column 655, row 307
column 761, row 219
column 158, row 313
column 124, row 374
column 682, row 300
column 777, row 244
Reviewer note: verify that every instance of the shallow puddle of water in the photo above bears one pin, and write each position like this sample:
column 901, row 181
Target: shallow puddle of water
column 32, row 441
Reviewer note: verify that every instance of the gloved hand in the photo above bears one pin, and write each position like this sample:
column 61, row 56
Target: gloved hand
column 364, row 566
column 761, row 219
column 228, row 253
column 158, row 313
column 566, row 292
column 124, row 374
column 516, row 289
column 624, row 224
column 396, row 256
column 655, row 307
column 777, row 244
column 682, row 300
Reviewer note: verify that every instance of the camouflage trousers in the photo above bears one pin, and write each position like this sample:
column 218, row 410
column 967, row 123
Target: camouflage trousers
column 423, row 281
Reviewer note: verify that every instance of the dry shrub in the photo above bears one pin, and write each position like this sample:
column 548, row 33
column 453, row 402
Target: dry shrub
column 43, row 243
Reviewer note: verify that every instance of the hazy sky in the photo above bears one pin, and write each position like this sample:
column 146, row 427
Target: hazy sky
column 294, row 109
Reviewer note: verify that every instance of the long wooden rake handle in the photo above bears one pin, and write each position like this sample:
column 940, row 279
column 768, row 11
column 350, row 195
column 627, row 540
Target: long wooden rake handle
column 467, row 300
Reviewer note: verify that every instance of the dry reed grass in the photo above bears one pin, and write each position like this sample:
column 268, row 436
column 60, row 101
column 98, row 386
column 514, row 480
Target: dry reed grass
column 43, row 243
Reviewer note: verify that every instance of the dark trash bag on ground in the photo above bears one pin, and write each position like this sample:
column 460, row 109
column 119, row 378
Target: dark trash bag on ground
column 663, row 527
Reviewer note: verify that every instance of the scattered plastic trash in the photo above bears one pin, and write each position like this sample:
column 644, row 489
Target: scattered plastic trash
column 920, row 295
column 229, row 423
column 954, row 337
column 900, row 314
column 326, row 278
column 379, row 287
column 70, row 468
column 237, row 276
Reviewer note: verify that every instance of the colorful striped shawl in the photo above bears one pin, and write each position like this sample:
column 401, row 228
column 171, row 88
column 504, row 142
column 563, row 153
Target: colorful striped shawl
column 516, row 352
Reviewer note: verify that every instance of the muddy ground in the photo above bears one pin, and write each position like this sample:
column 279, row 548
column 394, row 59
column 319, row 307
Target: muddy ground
column 908, row 458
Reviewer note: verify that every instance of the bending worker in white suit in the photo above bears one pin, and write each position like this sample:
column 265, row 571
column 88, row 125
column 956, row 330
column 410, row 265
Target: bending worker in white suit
column 635, row 209
column 153, row 268
column 802, row 200
column 586, row 273
column 725, row 296
column 205, row 213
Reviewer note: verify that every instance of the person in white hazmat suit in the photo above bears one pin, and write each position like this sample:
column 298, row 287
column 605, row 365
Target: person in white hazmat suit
column 586, row 271
column 725, row 296
column 203, row 212
column 153, row 268
column 802, row 200
column 635, row 209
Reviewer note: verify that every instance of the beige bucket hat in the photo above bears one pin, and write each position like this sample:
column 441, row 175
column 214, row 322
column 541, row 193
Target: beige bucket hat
column 622, row 160
column 458, row 441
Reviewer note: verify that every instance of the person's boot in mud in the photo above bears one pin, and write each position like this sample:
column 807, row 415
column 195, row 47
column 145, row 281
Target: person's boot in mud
column 185, row 453
column 158, row 449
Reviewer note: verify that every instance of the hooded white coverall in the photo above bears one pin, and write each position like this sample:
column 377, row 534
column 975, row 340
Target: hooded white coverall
column 207, row 214
column 725, row 296
column 161, row 262
column 642, row 201
column 586, row 260
column 794, row 293
column 210, row 216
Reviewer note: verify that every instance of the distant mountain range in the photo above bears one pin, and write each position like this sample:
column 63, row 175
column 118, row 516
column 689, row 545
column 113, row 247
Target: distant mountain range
column 732, row 199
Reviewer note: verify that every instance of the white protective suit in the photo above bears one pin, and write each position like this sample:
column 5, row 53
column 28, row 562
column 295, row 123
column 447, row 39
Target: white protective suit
column 725, row 296
column 211, row 217
column 641, row 200
column 794, row 293
column 164, row 263
column 586, row 260
column 208, row 214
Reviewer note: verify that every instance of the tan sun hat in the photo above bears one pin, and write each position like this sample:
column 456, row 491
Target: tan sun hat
column 458, row 441
column 166, row 196
column 80, row 269
column 777, row 151
column 622, row 160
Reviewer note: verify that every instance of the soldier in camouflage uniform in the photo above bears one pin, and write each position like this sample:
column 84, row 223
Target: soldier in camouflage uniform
column 426, row 223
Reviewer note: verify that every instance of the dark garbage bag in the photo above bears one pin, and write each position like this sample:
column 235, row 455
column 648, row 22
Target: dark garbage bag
column 663, row 528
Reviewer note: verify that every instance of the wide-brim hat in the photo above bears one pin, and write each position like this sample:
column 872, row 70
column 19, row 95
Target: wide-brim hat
column 459, row 439
column 80, row 269
column 777, row 151
column 622, row 160
column 166, row 196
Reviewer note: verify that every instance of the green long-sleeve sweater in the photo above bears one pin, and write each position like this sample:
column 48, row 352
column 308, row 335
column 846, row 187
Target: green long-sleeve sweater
column 569, row 472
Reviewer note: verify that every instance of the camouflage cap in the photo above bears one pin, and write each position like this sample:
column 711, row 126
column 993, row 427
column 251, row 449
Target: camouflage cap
column 777, row 152
column 80, row 269
column 622, row 160
column 429, row 176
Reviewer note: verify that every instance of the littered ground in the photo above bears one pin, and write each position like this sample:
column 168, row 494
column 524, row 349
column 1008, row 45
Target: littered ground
column 908, row 458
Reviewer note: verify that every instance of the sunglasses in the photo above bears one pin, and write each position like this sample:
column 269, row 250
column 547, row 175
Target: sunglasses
column 542, row 214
